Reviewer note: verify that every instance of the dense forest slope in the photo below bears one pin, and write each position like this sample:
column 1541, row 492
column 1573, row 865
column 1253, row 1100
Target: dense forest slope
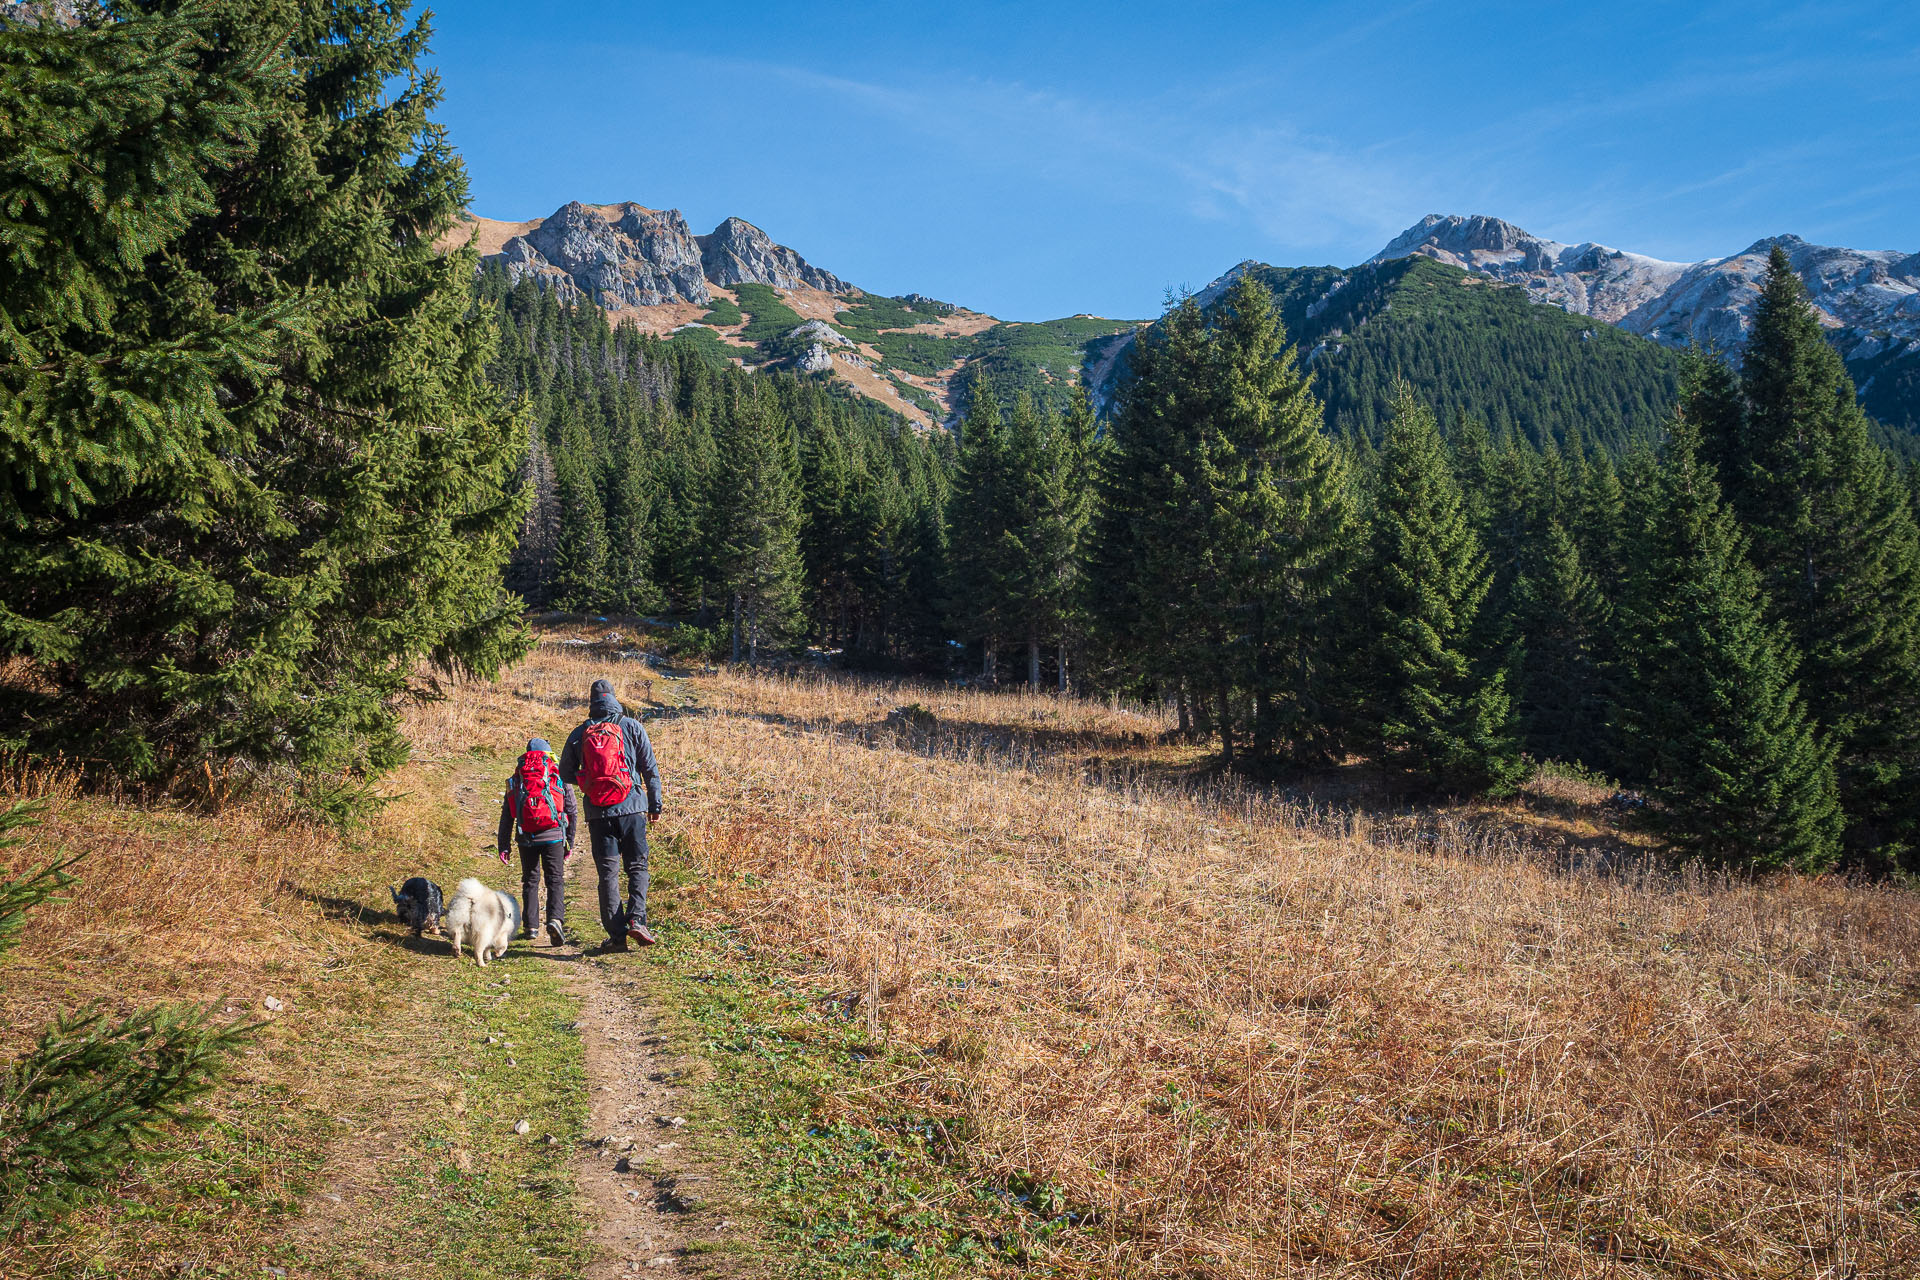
column 1469, row 346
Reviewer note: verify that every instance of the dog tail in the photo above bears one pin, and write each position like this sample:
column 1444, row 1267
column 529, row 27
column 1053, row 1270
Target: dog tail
column 460, row 910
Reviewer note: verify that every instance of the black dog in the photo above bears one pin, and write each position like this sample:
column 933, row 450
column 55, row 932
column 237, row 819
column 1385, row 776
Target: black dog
column 419, row 904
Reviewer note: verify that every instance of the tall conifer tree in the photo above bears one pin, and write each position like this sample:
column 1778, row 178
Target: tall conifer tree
column 1710, row 711
column 1438, row 705
column 1839, row 554
column 756, row 524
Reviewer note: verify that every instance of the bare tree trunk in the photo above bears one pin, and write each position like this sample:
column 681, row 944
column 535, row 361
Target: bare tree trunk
column 1063, row 669
column 736, row 626
column 1033, row 662
column 1186, row 713
column 1226, row 728
column 987, row 656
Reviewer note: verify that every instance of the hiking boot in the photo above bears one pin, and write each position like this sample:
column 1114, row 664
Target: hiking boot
column 555, row 934
column 614, row 944
column 640, row 933
column 526, row 933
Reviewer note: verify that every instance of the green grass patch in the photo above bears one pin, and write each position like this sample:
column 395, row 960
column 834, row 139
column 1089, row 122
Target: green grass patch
column 723, row 313
column 480, row 1199
column 850, row 1185
column 917, row 397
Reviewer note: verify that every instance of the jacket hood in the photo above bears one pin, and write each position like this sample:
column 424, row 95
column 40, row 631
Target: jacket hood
column 539, row 744
column 601, row 704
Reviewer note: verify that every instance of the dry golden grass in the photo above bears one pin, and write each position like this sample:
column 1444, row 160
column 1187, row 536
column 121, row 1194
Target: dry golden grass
column 1258, row 1036
column 1261, row 1037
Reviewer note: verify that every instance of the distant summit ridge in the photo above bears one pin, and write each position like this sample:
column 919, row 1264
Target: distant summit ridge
column 628, row 255
column 1868, row 297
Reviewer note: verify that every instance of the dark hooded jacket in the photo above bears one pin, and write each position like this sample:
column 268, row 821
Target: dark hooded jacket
column 645, row 796
column 510, row 811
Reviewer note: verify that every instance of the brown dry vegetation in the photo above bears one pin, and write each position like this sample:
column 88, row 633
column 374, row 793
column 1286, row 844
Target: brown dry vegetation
column 1258, row 1037
column 1254, row 1035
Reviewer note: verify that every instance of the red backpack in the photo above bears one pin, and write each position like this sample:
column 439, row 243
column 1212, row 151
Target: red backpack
column 604, row 775
column 542, row 804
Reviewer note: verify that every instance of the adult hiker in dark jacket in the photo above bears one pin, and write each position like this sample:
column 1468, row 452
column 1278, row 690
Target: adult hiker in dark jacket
column 609, row 758
column 542, row 807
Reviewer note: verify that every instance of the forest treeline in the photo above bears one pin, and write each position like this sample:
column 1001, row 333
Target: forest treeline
column 1724, row 617
column 275, row 464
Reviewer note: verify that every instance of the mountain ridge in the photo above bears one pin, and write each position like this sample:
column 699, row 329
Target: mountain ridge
column 921, row 357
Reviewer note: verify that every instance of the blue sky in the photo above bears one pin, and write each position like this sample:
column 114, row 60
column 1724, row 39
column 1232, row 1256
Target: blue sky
column 1039, row 159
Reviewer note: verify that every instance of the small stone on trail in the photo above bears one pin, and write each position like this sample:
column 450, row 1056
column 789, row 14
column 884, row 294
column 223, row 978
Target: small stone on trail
column 521, row 1126
column 276, row 1007
column 623, row 1165
column 670, row 1122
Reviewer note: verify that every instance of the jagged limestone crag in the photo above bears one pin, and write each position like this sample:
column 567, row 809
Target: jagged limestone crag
column 740, row 253
column 628, row 255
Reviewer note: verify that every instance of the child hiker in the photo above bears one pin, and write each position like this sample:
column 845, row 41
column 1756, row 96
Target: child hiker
column 542, row 807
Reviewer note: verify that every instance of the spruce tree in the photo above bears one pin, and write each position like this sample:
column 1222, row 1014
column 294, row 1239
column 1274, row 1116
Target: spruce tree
column 630, row 579
column 256, row 475
column 756, row 524
column 1710, row 712
column 1560, row 617
column 1438, row 705
column 984, row 556
column 1294, row 527
column 580, row 554
column 1838, row 550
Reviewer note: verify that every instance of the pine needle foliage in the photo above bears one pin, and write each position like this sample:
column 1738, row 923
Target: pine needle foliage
column 255, row 473
column 1438, row 702
column 1709, row 710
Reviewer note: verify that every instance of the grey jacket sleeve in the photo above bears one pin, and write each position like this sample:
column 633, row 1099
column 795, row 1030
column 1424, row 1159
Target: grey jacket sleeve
column 569, row 765
column 506, row 818
column 640, row 760
column 573, row 814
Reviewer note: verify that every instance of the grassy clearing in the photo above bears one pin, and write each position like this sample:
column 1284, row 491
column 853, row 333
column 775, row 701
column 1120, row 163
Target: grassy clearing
column 1252, row 1033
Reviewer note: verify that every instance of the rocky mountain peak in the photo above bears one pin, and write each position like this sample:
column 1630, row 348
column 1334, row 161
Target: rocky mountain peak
column 629, row 255
column 737, row 252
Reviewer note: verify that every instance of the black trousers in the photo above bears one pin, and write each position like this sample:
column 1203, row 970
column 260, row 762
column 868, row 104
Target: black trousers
column 537, row 862
column 620, row 844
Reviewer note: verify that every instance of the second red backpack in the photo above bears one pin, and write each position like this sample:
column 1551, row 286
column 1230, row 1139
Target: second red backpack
column 542, row 807
column 604, row 776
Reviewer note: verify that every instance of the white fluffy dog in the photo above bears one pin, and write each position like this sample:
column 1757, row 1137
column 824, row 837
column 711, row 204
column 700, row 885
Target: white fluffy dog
column 486, row 917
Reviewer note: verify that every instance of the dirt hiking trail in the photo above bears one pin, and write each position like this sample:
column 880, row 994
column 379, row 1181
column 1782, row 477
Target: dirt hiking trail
column 652, row 1191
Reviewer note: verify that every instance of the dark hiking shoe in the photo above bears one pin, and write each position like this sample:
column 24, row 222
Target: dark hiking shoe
column 555, row 934
column 614, row 944
column 527, row 934
column 641, row 934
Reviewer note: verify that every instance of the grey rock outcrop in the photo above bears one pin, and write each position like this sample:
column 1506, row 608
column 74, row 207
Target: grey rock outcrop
column 641, row 259
column 820, row 331
column 816, row 359
column 631, row 256
column 737, row 252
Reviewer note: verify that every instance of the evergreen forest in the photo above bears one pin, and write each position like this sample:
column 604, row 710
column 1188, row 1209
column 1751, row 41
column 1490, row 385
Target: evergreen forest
column 275, row 465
